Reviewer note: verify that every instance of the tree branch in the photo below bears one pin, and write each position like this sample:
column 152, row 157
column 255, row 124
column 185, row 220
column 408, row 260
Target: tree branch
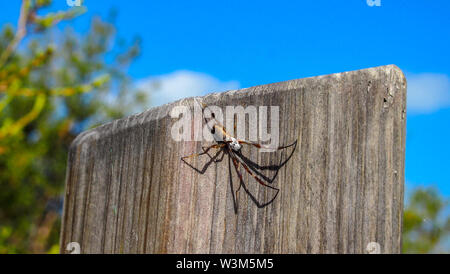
column 20, row 34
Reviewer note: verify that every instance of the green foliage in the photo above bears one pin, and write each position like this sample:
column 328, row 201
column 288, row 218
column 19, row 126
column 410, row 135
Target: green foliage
column 50, row 91
column 425, row 228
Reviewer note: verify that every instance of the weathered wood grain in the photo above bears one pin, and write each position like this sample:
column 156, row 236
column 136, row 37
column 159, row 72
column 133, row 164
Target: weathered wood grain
column 128, row 192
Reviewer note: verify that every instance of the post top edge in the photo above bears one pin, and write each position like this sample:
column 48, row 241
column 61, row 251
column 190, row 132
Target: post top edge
column 163, row 110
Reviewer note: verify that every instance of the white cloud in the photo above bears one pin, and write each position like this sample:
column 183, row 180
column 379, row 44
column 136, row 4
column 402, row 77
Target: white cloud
column 181, row 84
column 428, row 92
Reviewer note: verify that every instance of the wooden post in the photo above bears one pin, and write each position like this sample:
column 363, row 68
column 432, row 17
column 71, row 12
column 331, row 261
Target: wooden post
column 127, row 190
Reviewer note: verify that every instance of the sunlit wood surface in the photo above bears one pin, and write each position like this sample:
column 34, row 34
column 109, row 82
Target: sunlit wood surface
column 128, row 191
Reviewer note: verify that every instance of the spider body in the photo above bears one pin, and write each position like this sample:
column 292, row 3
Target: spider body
column 235, row 144
column 224, row 139
column 226, row 144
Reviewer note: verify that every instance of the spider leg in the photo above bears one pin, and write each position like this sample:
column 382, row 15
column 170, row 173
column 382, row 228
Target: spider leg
column 255, row 167
column 206, row 149
column 236, row 166
column 221, row 158
column 205, row 167
column 257, row 203
column 254, row 176
column 257, row 145
column 235, row 125
column 231, row 185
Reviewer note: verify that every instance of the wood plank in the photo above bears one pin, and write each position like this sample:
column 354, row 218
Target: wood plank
column 127, row 190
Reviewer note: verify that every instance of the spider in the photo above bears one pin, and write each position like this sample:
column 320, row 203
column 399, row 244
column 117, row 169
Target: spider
column 225, row 144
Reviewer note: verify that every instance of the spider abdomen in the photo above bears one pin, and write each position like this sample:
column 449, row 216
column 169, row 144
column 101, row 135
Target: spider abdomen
column 235, row 144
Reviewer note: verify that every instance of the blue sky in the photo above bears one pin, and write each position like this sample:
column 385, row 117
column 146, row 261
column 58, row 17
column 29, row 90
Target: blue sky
column 194, row 47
